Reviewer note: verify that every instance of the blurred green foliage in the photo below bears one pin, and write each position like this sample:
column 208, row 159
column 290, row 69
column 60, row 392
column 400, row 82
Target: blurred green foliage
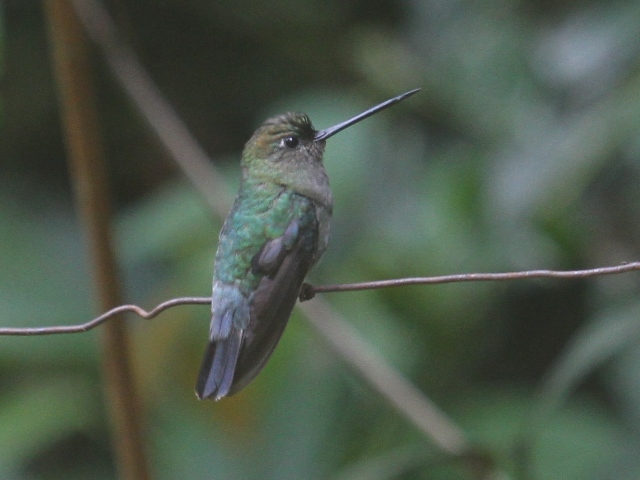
column 521, row 151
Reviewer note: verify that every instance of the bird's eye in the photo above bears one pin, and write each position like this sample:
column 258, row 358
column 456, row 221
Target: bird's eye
column 291, row 142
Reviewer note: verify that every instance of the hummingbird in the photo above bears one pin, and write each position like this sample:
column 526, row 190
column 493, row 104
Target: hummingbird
column 276, row 231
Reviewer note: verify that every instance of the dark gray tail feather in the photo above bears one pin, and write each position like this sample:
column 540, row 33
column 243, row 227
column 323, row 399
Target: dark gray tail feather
column 218, row 367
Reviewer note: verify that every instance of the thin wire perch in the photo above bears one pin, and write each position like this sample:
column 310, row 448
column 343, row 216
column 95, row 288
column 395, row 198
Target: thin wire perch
column 309, row 291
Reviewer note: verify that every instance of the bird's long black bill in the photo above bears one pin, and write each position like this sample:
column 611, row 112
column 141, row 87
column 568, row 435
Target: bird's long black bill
column 324, row 134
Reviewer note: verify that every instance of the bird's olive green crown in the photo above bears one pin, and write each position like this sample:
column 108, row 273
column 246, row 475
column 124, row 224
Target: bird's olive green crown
column 284, row 136
column 284, row 152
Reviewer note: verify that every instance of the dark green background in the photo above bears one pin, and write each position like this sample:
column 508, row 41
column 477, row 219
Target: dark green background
column 521, row 152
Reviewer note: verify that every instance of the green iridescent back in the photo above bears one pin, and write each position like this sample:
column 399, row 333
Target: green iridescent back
column 256, row 218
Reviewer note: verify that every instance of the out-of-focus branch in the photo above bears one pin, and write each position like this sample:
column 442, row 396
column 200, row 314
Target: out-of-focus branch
column 172, row 132
column 88, row 175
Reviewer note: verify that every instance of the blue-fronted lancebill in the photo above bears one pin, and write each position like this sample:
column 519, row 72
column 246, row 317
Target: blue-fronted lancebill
column 276, row 231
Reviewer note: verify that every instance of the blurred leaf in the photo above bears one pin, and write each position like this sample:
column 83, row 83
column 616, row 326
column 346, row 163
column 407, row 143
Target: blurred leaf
column 163, row 235
column 578, row 442
column 36, row 416
column 623, row 377
column 537, row 175
column 44, row 277
column 191, row 435
column 171, row 221
column 607, row 335
column 389, row 465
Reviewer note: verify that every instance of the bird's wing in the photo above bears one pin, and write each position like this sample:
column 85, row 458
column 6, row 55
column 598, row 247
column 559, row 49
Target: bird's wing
column 272, row 304
column 244, row 331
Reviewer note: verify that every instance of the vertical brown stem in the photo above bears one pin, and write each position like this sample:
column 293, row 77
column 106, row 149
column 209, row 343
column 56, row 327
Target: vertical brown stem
column 88, row 175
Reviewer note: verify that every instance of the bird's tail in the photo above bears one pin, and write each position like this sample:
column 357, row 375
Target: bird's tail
column 218, row 366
